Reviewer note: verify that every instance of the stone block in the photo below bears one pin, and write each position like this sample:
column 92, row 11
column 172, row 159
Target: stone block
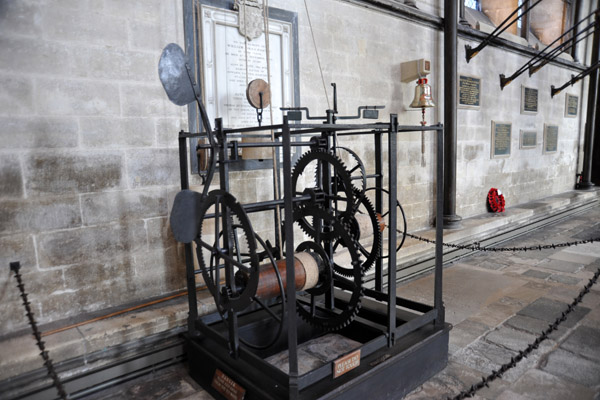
column 117, row 133
column 572, row 367
column 91, row 244
column 17, row 248
column 540, row 385
column 510, row 338
column 21, row 18
column 115, row 64
column 93, row 273
column 16, row 96
column 562, row 266
column 151, row 167
column 536, row 274
column 86, row 26
column 159, row 271
column 568, row 280
column 32, row 55
column 77, row 97
column 159, row 233
column 548, row 310
column 37, row 132
column 105, row 207
column 69, row 173
column 39, row 214
column 146, row 101
column 167, row 131
column 584, row 341
column 11, row 179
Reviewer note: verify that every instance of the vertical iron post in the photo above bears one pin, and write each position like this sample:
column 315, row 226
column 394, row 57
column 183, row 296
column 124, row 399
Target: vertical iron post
column 290, row 274
column 189, row 254
column 439, row 231
column 379, row 206
column 591, row 120
column 451, row 220
column 392, row 171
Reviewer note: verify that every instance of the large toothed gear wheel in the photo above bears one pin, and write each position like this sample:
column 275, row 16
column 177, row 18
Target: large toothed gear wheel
column 221, row 261
column 365, row 228
column 342, row 194
column 355, row 166
column 308, row 308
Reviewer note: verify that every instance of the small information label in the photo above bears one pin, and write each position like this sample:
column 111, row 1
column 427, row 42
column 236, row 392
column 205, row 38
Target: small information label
column 346, row 363
column 227, row 386
column 550, row 138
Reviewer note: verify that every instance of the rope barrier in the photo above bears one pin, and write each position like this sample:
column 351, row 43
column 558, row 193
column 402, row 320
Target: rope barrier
column 478, row 247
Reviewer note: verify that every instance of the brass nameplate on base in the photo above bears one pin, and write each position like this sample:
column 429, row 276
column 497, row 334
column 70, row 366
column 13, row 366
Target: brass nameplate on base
column 346, row 363
column 227, row 386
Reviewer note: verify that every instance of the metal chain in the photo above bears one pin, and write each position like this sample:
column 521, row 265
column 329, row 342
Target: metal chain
column 477, row 246
column 15, row 267
column 534, row 345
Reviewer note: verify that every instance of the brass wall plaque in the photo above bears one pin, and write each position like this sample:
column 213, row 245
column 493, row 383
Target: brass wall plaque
column 529, row 100
column 469, row 91
column 346, row 363
column 501, row 139
column 571, row 106
column 227, row 386
column 550, row 138
column 528, row 139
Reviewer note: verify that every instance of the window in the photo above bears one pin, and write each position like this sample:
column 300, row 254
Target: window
column 474, row 4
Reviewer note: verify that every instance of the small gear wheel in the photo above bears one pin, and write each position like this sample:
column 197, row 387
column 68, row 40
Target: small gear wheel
column 308, row 309
column 338, row 190
column 222, row 263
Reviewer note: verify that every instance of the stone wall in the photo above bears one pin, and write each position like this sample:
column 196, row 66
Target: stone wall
column 88, row 155
column 88, row 165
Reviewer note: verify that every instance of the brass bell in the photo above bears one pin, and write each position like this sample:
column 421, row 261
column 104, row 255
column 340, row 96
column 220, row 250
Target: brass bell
column 423, row 96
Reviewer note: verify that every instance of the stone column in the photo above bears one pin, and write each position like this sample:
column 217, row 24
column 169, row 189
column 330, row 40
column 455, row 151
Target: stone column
column 451, row 220
column 461, row 16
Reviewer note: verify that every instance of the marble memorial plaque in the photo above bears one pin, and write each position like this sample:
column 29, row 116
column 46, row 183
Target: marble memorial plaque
column 571, row 105
column 528, row 139
column 501, row 132
column 529, row 100
column 469, row 92
column 550, row 138
column 230, row 62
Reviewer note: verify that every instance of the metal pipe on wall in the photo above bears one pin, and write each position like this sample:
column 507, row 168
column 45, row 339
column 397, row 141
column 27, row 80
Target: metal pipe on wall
column 591, row 120
column 451, row 220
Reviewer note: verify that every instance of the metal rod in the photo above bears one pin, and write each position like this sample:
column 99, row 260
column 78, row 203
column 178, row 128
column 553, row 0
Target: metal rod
column 556, row 52
column 470, row 52
column 379, row 206
column 439, row 231
column 393, row 183
column 451, row 220
column 554, row 91
column 289, row 249
column 188, row 251
column 505, row 81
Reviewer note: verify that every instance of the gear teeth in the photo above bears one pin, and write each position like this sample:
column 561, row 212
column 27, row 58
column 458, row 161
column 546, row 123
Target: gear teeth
column 340, row 230
column 363, row 174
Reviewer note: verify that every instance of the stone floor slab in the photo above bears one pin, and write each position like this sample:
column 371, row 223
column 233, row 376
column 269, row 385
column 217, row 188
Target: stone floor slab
column 585, row 341
column 548, row 310
column 510, row 338
column 568, row 280
column 574, row 257
column 559, row 265
column 540, row 385
column 573, row 368
column 533, row 273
